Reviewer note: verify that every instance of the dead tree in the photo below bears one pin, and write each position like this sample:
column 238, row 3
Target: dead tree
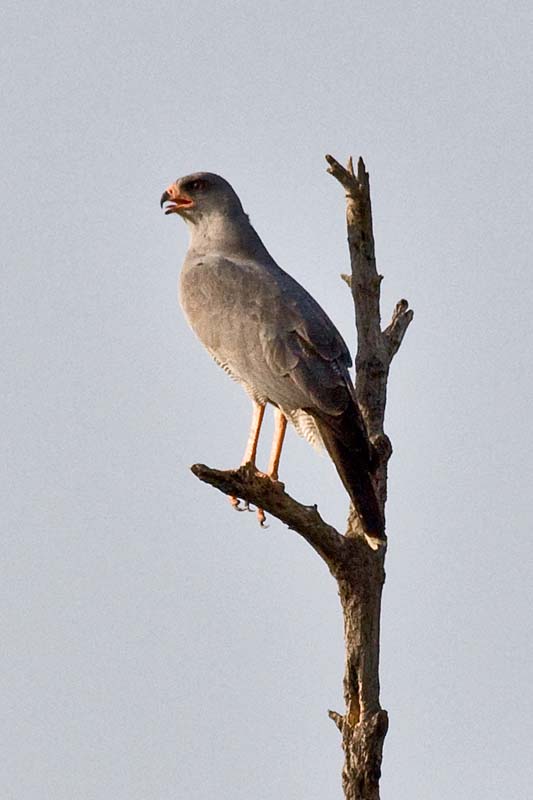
column 357, row 568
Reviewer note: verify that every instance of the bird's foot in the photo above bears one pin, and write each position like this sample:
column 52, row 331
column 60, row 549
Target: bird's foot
column 236, row 504
column 272, row 476
column 261, row 517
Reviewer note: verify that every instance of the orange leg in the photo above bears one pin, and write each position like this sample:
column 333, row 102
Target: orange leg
column 251, row 446
column 280, row 426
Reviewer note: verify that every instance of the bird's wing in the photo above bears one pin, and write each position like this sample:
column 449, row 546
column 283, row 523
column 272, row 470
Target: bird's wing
column 301, row 342
column 270, row 332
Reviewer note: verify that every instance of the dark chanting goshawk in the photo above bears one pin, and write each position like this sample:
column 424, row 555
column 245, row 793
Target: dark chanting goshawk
column 271, row 336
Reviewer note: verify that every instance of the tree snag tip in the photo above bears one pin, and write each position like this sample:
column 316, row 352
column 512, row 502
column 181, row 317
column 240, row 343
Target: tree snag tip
column 337, row 718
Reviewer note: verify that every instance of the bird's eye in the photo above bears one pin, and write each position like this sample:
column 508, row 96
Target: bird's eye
column 197, row 185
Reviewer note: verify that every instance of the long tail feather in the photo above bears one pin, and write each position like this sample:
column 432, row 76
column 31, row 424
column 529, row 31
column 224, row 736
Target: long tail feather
column 348, row 448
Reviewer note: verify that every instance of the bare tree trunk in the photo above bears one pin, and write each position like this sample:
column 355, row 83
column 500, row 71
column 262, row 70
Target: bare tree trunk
column 352, row 560
column 364, row 724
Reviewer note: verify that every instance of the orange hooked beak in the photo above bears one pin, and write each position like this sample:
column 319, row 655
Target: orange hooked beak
column 176, row 200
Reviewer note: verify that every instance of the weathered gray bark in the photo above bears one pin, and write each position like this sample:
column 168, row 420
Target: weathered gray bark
column 358, row 569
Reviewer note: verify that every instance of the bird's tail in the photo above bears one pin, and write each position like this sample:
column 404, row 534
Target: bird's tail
column 349, row 450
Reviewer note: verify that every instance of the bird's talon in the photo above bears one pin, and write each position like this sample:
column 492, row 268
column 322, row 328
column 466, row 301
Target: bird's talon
column 261, row 517
column 236, row 504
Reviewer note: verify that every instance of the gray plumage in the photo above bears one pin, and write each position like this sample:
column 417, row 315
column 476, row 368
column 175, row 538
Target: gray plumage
column 268, row 333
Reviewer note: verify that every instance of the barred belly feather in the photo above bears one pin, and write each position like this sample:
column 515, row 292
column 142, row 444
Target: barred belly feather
column 306, row 427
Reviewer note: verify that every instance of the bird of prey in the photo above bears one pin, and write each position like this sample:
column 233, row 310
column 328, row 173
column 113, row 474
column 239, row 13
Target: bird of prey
column 269, row 334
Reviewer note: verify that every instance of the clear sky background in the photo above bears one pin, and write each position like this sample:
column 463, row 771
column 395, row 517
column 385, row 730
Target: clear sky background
column 154, row 643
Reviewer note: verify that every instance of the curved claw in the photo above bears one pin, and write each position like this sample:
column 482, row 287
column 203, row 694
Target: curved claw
column 236, row 504
column 261, row 517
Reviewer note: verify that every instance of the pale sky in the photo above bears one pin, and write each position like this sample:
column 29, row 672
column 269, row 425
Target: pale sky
column 155, row 644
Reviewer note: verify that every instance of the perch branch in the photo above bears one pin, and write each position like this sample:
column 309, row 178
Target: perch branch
column 270, row 495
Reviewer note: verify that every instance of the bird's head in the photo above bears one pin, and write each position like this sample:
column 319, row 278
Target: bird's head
column 200, row 195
